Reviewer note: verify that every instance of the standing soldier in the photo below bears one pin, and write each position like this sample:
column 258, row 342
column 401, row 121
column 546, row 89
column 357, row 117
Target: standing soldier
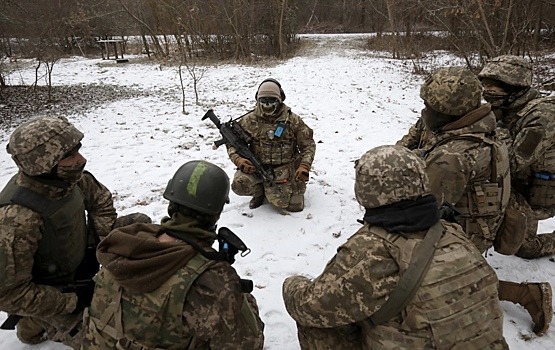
column 406, row 279
column 530, row 121
column 469, row 168
column 164, row 286
column 283, row 143
column 52, row 214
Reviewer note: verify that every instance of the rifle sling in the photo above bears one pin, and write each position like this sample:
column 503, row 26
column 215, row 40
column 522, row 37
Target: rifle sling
column 410, row 281
column 207, row 254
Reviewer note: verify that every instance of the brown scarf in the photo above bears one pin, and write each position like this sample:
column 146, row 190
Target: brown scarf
column 469, row 118
column 138, row 261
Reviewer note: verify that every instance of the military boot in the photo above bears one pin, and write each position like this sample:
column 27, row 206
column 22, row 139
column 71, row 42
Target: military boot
column 536, row 298
column 256, row 202
column 542, row 245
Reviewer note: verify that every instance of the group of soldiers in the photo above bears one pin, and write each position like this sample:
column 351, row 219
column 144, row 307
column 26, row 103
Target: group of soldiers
column 467, row 177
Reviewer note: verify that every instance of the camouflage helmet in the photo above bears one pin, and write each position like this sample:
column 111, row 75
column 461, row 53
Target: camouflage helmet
column 452, row 91
column 508, row 69
column 199, row 185
column 38, row 145
column 389, row 174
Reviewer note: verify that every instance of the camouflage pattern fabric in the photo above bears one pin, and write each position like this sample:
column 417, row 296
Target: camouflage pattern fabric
column 20, row 232
column 211, row 313
column 389, row 174
column 363, row 273
column 133, row 218
column 509, row 69
column 530, row 122
column 283, row 154
column 418, row 138
column 38, row 145
column 454, row 91
column 533, row 139
column 460, row 172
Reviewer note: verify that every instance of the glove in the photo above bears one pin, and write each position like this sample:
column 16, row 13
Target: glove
column 245, row 165
column 302, row 172
column 84, row 297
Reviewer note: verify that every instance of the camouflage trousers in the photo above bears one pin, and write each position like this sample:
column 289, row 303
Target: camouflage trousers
column 66, row 329
column 282, row 192
column 535, row 245
column 337, row 338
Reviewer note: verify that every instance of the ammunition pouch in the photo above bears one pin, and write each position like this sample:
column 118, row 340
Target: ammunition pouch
column 541, row 193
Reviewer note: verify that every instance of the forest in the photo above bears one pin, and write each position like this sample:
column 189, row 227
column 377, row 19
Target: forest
column 252, row 30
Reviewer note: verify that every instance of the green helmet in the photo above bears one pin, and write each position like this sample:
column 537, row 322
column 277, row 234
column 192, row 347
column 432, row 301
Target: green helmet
column 199, row 185
column 389, row 174
column 452, row 91
column 508, row 69
column 38, row 145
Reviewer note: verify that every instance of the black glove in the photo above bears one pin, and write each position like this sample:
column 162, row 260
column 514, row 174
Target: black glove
column 84, row 297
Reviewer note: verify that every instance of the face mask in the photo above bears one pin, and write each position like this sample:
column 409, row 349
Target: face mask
column 268, row 105
column 496, row 99
column 71, row 174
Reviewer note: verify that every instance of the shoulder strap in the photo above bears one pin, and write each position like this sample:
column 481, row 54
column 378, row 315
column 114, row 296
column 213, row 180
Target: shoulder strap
column 412, row 278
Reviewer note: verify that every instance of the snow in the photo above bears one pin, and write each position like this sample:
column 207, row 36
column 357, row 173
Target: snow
column 353, row 99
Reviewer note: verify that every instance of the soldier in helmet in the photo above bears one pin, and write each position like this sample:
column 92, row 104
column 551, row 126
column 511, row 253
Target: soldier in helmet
column 468, row 168
column 158, row 289
column 283, row 143
column 366, row 296
column 530, row 124
column 52, row 214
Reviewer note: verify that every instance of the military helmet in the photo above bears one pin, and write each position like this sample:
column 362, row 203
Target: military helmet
column 38, row 145
column 389, row 174
column 452, row 91
column 508, row 69
column 199, row 185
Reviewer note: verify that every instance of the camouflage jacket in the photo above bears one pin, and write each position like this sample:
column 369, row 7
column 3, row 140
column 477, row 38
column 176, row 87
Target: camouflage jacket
column 418, row 137
column 460, row 170
column 165, row 295
column 20, row 232
column 532, row 146
column 296, row 143
column 366, row 269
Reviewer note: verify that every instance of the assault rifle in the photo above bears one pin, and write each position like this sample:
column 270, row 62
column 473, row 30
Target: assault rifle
column 78, row 287
column 234, row 135
column 229, row 244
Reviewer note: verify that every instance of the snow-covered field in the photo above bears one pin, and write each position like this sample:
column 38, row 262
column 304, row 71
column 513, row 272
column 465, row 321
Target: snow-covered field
column 353, row 99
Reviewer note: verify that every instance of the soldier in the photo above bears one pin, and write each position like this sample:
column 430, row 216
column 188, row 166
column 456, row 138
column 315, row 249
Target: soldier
column 157, row 289
column 418, row 138
column 362, row 299
column 283, row 143
column 469, row 168
column 530, row 121
column 52, row 214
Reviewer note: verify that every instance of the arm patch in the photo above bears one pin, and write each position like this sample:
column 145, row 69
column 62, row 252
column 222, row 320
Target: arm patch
column 529, row 143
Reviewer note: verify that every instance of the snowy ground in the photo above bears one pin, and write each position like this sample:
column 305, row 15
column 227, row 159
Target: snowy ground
column 354, row 100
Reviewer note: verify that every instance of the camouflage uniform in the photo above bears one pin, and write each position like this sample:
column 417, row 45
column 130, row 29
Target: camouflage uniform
column 283, row 155
column 462, row 171
column 163, row 294
column 530, row 121
column 418, row 138
column 45, row 239
column 469, row 168
column 332, row 310
column 22, row 230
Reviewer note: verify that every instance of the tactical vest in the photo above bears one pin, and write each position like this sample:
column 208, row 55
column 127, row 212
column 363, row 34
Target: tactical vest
column 271, row 149
column 141, row 321
column 64, row 239
column 483, row 203
column 456, row 305
column 541, row 189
